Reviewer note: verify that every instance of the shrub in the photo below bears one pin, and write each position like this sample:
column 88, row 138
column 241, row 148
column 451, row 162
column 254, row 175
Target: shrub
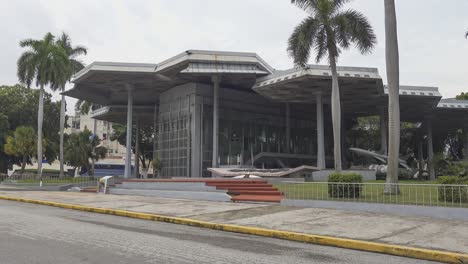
column 403, row 174
column 455, row 194
column 344, row 185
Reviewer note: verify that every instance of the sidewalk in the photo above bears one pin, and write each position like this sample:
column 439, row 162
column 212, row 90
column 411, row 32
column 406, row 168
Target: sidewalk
column 422, row 232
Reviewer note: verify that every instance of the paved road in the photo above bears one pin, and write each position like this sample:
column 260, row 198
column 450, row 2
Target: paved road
column 41, row 234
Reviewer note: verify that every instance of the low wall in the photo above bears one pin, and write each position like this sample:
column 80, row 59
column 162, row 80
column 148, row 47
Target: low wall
column 191, row 195
column 173, row 186
column 280, row 180
column 322, row 176
column 403, row 210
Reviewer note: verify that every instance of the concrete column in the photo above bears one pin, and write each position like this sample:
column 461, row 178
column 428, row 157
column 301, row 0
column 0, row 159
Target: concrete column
column 430, row 149
column 320, row 133
column 288, row 128
column 465, row 144
column 128, row 142
column 216, row 80
column 137, row 147
column 383, row 132
column 155, row 138
column 420, row 139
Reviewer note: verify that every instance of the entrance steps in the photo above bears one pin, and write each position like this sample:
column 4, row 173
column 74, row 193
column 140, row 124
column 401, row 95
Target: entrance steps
column 236, row 190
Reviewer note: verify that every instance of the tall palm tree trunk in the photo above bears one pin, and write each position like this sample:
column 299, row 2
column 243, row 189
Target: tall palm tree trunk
column 62, row 127
column 393, row 79
column 336, row 114
column 40, row 119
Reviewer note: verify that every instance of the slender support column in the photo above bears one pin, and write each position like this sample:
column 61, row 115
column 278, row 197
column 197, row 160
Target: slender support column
column 137, row 148
column 215, row 79
column 430, row 150
column 128, row 142
column 155, row 139
column 288, row 128
column 465, row 144
column 320, row 134
column 420, row 138
column 383, row 132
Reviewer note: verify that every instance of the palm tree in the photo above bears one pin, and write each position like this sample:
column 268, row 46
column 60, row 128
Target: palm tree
column 74, row 66
column 393, row 80
column 41, row 62
column 327, row 30
column 84, row 107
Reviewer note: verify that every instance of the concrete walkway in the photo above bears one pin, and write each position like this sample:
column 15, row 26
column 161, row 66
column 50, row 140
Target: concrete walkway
column 420, row 232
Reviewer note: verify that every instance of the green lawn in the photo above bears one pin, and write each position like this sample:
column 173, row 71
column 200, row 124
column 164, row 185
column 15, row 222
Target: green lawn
column 411, row 193
column 52, row 180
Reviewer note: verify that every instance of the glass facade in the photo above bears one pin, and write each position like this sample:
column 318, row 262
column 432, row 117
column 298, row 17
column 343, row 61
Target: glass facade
column 174, row 140
column 252, row 132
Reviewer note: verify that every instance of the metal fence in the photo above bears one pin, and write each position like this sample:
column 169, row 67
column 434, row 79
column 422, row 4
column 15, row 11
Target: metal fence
column 34, row 180
column 409, row 194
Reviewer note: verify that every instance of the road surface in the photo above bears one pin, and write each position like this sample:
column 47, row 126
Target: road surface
column 41, row 234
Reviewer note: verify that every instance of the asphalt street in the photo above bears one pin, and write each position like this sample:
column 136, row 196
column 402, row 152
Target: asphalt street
column 41, row 234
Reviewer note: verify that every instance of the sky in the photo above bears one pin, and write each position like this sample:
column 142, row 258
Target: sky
column 433, row 50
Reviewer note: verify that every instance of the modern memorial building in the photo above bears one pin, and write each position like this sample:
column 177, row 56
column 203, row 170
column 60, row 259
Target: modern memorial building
column 214, row 109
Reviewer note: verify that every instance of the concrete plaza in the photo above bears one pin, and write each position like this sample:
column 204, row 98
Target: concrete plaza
column 423, row 232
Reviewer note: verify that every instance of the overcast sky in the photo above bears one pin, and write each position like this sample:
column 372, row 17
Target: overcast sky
column 433, row 50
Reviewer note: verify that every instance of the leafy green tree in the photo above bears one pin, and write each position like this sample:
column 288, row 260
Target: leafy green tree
column 18, row 107
column 64, row 76
column 462, row 96
column 22, row 144
column 42, row 62
column 327, row 30
column 79, row 150
column 146, row 141
column 393, row 80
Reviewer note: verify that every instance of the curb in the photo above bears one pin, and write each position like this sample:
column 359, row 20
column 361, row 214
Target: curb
column 403, row 251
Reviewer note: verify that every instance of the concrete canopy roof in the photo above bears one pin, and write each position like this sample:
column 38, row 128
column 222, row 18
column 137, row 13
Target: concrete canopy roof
column 359, row 87
column 105, row 83
column 450, row 115
column 416, row 102
column 118, row 114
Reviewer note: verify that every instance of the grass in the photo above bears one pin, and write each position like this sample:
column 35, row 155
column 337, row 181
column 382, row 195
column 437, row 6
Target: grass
column 51, row 180
column 411, row 193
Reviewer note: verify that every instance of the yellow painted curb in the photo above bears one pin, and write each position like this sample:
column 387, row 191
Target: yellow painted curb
column 410, row 252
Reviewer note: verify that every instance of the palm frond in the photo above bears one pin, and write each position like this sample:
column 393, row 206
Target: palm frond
column 321, row 45
column 302, row 40
column 353, row 27
column 309, row 6
column 338, row 4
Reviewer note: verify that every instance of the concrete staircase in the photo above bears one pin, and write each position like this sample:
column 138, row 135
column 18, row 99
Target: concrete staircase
column 236, row 190
column 249, row 190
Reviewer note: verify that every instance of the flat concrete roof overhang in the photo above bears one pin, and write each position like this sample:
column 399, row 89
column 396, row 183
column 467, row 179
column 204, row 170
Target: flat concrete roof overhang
column 450, row 115
column 106, row 83
column 416, row 102
column 118, row 114
column 359, row 87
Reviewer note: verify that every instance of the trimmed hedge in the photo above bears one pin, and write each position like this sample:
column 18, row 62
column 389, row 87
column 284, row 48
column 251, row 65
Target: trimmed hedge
column 455, row 194
column 340, row 185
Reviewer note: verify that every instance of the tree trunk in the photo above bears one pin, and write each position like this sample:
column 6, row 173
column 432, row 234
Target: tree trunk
column 91, row 172
column 336, row 114
column 23, row 163
column 393, row 79
column 40, row 119
column 62, row 127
